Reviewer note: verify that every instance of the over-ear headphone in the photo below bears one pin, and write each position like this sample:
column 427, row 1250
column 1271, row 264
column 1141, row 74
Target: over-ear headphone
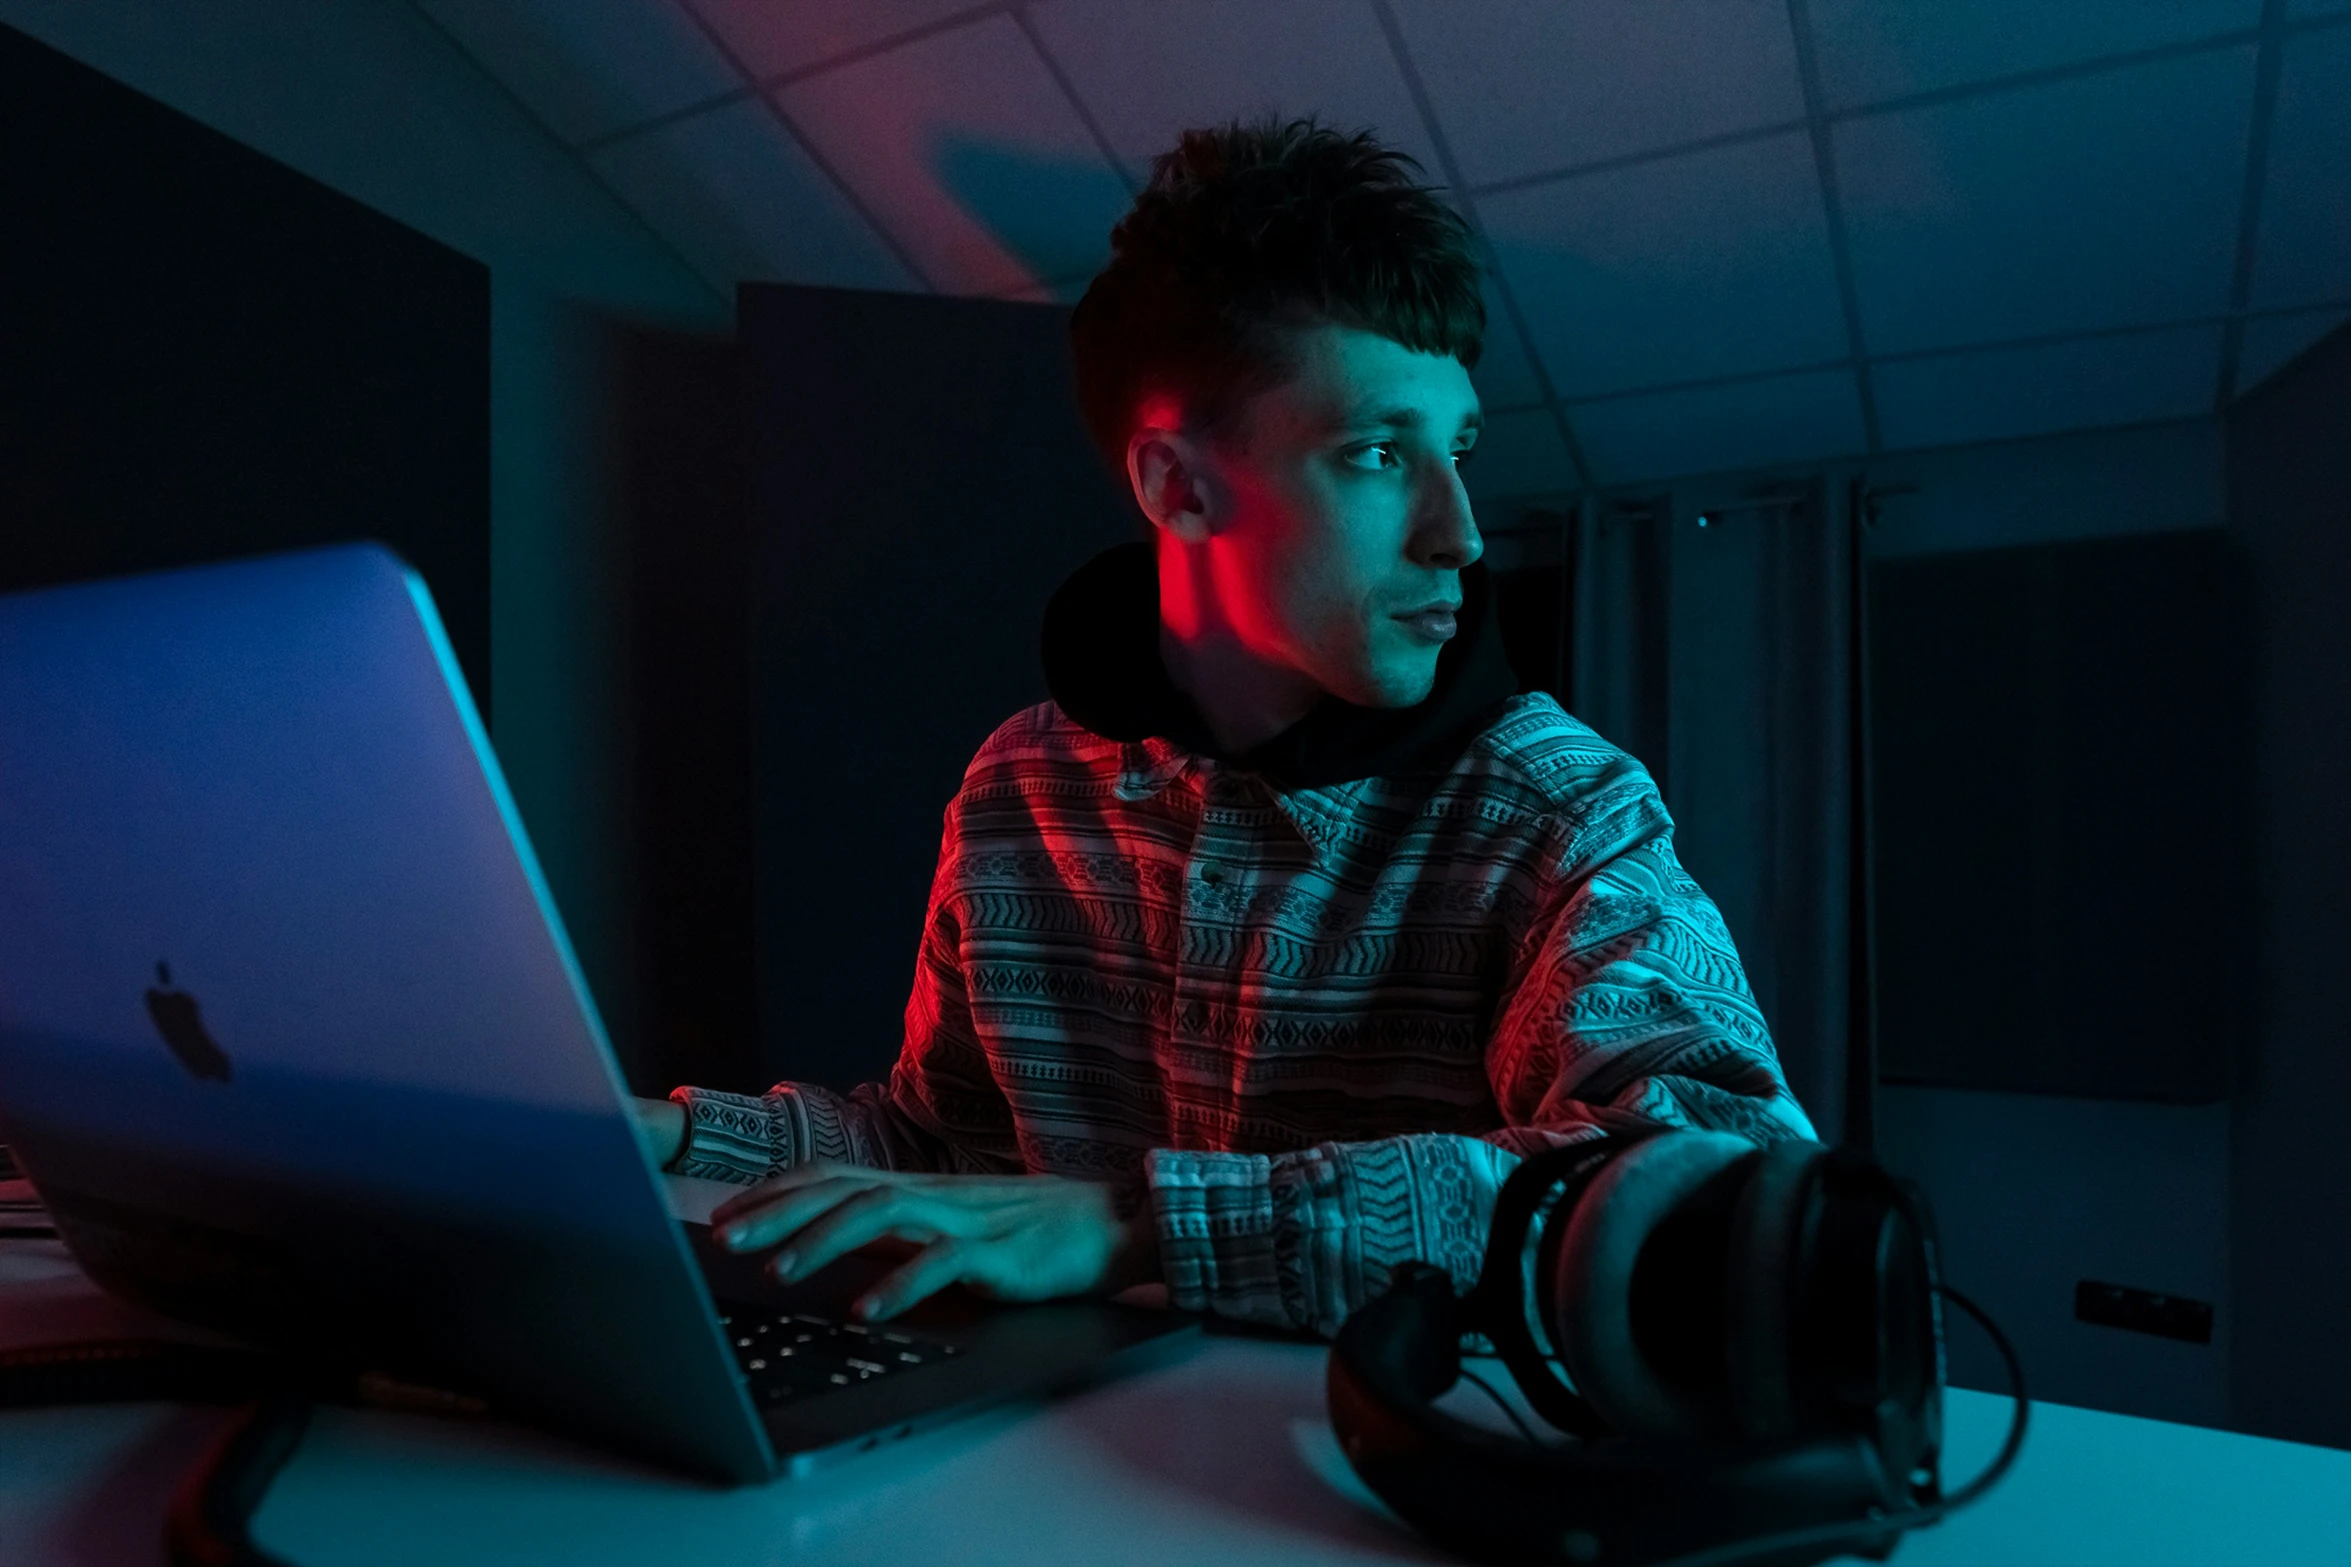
column 1754, row 1339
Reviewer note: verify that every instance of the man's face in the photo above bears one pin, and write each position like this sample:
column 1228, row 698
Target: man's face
column 1339, row 527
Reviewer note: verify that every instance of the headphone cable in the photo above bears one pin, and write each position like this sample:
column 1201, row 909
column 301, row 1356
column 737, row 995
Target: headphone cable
column 1502, row 1404
column 210, row 1523
column 2006, row 1457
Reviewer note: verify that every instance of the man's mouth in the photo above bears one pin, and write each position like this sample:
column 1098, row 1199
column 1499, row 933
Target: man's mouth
column 1435, row 622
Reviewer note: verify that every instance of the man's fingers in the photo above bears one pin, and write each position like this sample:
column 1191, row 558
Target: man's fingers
column 812, row 1173
column 929, row 1271
column 783, row 1213
column 870, row 1215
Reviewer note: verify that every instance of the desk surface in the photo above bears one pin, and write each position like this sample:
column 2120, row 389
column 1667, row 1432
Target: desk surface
column 1222, row 1454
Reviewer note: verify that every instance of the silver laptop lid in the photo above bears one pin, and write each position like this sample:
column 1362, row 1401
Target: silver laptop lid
column 291, row 1037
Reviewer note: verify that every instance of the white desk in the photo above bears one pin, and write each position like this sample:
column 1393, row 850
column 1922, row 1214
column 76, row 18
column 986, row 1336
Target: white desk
column 1223, row 1455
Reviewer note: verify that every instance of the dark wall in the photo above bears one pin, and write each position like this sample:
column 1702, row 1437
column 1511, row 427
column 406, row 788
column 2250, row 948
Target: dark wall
column 689, row 726
column 2289, row 467
column 623, row 659
column 204, row 353
column 920, row 485
column 2058, row 781
column 2035, row 1192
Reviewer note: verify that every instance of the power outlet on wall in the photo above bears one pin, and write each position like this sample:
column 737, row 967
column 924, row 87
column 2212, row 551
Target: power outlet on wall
column 2143, row 1311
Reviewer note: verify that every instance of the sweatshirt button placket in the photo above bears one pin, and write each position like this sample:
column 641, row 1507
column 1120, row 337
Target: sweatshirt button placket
column 1196, row 935
column 1216, row 792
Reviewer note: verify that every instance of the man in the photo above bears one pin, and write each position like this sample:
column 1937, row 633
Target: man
column 1256, row 957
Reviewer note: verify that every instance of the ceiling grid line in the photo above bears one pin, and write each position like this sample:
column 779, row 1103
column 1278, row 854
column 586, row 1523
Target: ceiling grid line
column 1855, row 462
column 2052, row 339
column 953, row 21
column 667, row 245
column 1050, row 285
column 811, row 151
column 1629, row 160
column 2268, row 66
column 1704, row 382
column 1069, row 90
column 756, row 86
column 1911, row 355
column 2299, row 308
column 1934, row 98
column 1443, row 147
column 2050, row 75
column 1824, row 162
column 665, row 119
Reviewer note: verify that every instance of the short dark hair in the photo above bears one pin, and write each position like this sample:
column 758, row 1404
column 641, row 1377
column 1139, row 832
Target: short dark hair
column 1249, row 227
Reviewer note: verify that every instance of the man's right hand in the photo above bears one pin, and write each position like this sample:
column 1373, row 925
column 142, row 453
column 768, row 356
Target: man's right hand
column 661, row 1126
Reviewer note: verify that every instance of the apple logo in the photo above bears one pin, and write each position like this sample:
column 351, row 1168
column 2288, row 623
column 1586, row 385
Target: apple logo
column 176, row 1019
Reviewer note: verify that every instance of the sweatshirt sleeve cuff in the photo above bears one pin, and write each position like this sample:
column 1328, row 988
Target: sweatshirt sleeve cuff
column 1218, row 1234
column 732, row 1137
column 1300, row 1240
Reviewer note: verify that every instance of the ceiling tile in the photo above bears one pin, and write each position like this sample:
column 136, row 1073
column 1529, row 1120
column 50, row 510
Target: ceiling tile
column 1997, row 393
column 1870, row 51
column 1764, row 423
column 1202, row 62
column 588, row 68
column 2303, row 254
column 1524, row 86
column 965, row 147
column 1531, row 85
column 1519, row 454
column 775, row 37
column 2272, row 342
column 736, row 196
column 1504, row 378
column 2102, row 201
column 1683, row 269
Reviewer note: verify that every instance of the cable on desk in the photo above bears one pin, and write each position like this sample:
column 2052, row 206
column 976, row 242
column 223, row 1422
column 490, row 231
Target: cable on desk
column 213, row 1507
column 129, row 1370
column 211, row 1518
column 215, row 1502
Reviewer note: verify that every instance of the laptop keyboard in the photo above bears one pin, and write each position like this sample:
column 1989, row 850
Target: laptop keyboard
column 790, row 1355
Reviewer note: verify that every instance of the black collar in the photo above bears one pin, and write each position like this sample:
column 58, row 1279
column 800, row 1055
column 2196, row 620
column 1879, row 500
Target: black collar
column 1102, row 664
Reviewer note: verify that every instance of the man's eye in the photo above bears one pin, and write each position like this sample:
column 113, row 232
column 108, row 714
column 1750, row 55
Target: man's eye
column 1379, row 454
column 1464, row 455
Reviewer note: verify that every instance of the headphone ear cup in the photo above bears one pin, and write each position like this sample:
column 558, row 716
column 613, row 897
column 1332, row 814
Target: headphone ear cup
column 1766, row 1228
column 1592, row 1283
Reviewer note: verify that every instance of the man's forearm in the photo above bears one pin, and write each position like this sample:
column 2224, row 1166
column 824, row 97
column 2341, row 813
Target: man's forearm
column 745, row 1138
column 1299, row 1240
column 661, row 1126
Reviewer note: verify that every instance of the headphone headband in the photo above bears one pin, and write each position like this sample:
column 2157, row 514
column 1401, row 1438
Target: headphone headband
column 1840, row 1248
column 1498, row 1306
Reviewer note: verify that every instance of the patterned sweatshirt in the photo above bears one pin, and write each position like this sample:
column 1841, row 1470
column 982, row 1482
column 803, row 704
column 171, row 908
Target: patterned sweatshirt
column 1320, row 1016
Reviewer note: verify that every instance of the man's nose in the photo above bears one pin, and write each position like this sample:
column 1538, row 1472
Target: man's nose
column 1444, row 534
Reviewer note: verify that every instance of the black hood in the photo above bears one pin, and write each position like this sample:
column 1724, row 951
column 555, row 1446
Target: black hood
column 1102, row 664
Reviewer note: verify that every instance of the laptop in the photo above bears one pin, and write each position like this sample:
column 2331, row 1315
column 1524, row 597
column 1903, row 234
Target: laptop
column 293, row 1046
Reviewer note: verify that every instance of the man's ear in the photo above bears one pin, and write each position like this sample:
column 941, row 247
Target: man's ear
column 1171, row 484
